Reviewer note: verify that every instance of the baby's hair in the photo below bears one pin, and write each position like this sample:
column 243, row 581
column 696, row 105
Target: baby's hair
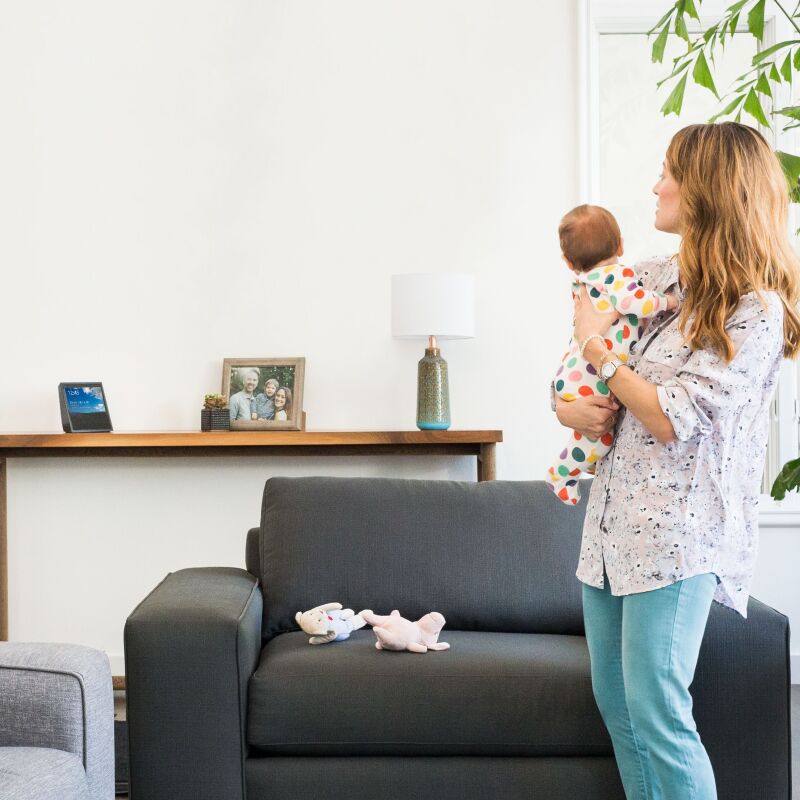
column 588, row 235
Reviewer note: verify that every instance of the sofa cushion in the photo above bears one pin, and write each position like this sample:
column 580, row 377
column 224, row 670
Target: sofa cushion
column 41, row 773
column 493, row 556
column 503, row 694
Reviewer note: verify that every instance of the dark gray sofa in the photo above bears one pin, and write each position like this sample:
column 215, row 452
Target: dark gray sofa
column 227, row 700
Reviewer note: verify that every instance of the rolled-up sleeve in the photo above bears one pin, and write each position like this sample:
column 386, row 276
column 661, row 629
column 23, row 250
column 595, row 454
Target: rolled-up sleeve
column 706, row 389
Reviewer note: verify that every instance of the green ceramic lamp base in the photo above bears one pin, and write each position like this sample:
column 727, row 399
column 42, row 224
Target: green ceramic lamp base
column 433, row 394
column 433, row 426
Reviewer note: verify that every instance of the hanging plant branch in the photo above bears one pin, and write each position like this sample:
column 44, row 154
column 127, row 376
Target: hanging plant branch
column 753, row 92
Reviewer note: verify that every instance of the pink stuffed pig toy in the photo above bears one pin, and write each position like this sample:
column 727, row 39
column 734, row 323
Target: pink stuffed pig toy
column 396, row 633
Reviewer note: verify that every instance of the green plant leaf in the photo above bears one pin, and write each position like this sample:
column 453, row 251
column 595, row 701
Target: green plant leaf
column 752, row 106
column 728, row 109
column 762, row 54
column 675, row 72
column 702, row 74
column 791, row 167
column 691, row 10
column 749, row 72
column 762, row 85
column 661, row 22
column 755, row 20
column 788, row 478
column 659, row 44
column 786, row 68
column 674, row 102
column 774, row 75
column 796, row 60
column 680, row 28
column 744, row 86
column 736, row 7
column 734, row 23
column 792, row 112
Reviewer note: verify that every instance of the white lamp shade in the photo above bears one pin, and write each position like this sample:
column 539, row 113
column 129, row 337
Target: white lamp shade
column 440, row 304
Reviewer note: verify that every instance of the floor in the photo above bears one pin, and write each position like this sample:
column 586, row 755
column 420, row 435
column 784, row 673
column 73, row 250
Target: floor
column 120, row 703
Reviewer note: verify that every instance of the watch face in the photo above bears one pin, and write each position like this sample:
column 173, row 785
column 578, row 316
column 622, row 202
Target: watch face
column 608, row 370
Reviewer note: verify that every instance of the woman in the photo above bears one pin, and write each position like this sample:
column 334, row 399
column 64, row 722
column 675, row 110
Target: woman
column 671, row 520
column 283, row 404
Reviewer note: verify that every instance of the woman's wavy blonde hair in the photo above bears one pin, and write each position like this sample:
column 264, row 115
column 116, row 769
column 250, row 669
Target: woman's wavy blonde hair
column 734, row 205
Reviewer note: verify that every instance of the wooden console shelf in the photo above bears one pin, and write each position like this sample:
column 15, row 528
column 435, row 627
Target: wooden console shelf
column 233, row 443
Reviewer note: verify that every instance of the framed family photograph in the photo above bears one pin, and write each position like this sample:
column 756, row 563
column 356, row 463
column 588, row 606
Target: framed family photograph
column 264, row 393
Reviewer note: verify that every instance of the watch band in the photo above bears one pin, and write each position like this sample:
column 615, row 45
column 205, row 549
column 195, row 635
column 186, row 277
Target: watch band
column 612, row 359
column 552, row 395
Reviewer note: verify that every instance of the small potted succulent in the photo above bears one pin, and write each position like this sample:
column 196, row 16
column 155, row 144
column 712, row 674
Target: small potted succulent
column 215, row 415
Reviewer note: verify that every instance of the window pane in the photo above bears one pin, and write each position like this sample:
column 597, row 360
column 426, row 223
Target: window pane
column 634, row 134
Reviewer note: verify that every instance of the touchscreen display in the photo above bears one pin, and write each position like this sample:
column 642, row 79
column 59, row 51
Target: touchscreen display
column 85, row 400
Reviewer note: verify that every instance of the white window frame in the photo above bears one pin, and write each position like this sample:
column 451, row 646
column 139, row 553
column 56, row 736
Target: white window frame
column 597, row 17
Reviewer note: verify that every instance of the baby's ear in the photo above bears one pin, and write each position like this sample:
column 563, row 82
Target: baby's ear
column 567, row 262
column 621, row 248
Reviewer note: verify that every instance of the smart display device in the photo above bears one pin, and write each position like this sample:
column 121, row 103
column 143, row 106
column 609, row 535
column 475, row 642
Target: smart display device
column 83, row 407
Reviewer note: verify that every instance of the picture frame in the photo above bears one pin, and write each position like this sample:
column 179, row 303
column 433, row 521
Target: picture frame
column 270, row 389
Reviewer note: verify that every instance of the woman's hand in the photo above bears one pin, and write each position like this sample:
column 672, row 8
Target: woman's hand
column 589, row 321
column 591, row 416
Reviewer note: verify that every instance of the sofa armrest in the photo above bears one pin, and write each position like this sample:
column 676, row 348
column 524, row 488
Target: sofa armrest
column 190, row 648
column 742, row 701
column 60, row 696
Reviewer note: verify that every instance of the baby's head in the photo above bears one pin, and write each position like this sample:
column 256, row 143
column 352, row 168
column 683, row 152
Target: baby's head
column 589, row 235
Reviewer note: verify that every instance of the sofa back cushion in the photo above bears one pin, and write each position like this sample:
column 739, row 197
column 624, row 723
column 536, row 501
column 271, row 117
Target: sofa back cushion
column 491, row 556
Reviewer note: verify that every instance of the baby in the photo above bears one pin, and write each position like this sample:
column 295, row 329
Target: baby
column 591, row 245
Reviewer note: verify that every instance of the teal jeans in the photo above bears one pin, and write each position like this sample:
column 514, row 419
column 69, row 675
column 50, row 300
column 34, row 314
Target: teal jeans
column 643, row 649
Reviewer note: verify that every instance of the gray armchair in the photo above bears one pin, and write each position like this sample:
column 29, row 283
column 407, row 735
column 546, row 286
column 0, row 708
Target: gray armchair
column 56, row 723
column 226, row 698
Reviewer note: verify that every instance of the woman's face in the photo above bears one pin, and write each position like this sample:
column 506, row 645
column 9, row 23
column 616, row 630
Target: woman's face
column 667, row 206
column 280, row 399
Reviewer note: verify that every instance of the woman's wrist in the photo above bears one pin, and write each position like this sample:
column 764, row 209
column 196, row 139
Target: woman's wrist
column 594, row 352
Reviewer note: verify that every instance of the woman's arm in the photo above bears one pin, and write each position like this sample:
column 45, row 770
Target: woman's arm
column 638, row 395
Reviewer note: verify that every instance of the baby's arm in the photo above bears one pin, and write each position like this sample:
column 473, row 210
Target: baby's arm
column 627, row 295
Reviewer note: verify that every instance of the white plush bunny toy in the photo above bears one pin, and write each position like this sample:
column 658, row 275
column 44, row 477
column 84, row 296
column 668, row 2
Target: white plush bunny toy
column 329, row 622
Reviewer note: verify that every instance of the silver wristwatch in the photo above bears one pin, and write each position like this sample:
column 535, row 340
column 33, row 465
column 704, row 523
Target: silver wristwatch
column 609, row 368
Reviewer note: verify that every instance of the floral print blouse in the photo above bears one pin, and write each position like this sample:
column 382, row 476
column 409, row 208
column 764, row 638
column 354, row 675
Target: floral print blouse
column 658, row 513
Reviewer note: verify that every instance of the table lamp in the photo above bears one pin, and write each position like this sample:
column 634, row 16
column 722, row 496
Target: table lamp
column 439, row 305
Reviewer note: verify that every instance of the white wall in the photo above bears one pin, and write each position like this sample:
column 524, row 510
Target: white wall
column 188, row 181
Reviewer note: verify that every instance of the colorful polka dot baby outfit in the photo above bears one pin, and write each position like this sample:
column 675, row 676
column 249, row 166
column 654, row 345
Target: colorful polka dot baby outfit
column 612, row 286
